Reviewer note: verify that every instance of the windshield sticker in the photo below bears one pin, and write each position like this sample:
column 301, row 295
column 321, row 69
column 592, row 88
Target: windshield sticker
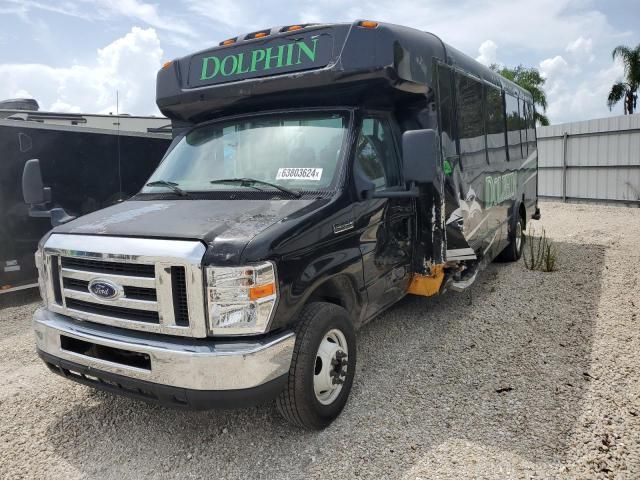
column 314, row 174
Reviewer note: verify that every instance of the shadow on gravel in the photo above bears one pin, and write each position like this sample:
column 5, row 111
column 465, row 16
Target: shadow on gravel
column 21, row 297
column 503, row 366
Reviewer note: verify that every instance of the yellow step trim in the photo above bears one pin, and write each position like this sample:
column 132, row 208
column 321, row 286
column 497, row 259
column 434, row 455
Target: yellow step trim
column 427, row 285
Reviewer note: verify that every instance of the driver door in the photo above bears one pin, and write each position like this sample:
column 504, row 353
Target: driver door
column 385, row 242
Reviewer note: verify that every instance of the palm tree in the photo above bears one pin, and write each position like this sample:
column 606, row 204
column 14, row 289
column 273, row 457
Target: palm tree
column 531, row 80
column 628, row 88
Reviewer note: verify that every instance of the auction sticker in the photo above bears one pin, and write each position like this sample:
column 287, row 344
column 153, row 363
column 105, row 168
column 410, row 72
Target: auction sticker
column 314, row 174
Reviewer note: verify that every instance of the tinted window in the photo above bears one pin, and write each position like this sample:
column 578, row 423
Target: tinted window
column 376, row 153
column 513, row 127
column 523, row 127
column 445, row 97
column 531, row 128
column 495, row 125
column 470, row 121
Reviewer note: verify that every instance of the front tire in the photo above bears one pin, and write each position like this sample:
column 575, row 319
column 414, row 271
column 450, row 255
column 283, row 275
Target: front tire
column 322, row 368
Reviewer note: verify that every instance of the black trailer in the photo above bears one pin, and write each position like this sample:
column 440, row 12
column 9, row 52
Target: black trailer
column 319, row 173
column 89, row 167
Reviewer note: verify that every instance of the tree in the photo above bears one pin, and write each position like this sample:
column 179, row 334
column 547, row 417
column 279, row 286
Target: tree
column 626, row 89
column 531, row 80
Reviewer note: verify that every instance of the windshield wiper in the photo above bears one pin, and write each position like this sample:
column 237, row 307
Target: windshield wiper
column 170, row 185
column 252, row 182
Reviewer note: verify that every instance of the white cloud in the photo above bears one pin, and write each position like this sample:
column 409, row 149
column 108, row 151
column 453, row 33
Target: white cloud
column 21, row 93
column 581, row 49
column 128, row 65
column 145, row 12
column 551, row 68
column 487, row 52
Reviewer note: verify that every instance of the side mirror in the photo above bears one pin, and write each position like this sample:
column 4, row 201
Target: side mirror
column 36, row 195
column 33, row 190
column 420, row 154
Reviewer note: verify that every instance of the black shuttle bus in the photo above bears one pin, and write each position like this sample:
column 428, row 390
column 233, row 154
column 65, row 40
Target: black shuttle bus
column 318, row 174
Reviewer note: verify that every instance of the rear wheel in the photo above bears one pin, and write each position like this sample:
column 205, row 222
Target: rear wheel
column 513, row 251
column 322, row 367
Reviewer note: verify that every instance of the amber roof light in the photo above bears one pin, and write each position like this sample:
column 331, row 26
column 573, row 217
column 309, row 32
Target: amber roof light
column 229, row 41
column 367, row 24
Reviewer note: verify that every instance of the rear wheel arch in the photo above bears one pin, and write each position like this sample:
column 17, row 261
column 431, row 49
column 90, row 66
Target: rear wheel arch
column 522, row 211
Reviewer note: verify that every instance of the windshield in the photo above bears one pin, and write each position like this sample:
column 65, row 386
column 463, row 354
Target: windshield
column 291, row 151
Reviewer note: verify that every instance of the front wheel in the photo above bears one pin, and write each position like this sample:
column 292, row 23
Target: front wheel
column 322, row 368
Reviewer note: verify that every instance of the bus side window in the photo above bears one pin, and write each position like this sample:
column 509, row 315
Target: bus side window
column 531, row 128
column 447, row 118
column 495, row 125
column 513, row 127
column 523, row 127
column 376, row 153
column 470, row 122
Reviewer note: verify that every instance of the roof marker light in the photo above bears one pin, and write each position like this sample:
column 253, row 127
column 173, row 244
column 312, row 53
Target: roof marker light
column 229, row 41
column 293, row 28
column 367, row 24
column 166, row 65
column 260, row 35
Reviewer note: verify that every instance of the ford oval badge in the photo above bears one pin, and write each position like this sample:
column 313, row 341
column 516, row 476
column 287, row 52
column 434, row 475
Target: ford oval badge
column 104, row 289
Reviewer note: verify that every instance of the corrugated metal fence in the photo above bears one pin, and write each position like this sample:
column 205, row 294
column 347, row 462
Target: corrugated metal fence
column 592, row 161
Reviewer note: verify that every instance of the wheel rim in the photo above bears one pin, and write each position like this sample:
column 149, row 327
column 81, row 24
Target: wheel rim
column 518, row 236
column 330, row 369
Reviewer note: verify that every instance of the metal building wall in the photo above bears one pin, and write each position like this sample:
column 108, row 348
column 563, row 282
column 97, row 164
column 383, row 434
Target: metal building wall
column 595, row 160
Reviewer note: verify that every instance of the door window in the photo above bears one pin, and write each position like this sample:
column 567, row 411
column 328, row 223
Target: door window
column 376, row 153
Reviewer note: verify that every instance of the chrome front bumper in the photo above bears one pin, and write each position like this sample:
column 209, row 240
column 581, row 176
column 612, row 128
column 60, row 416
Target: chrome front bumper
column 187, row 363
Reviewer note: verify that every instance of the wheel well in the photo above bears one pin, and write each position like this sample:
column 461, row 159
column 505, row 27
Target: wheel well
column 338, row 291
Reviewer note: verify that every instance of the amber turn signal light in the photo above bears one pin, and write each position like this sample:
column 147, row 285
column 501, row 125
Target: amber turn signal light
column 262, row 291
column 293, row 28
column 166, row 65
column 229, row 41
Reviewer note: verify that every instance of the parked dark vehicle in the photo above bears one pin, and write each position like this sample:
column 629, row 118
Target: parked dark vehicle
column 319, row 173
column 84, row 158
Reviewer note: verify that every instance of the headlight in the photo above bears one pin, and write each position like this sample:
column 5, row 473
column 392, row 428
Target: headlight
column 42, row 278
column 241, row 300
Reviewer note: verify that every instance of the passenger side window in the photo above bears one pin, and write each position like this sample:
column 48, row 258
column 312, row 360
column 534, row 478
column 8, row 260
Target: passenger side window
column 469, row 93
column 495, row 125
column 513, row 128
column 531, row 128
column 376, row 153
column 523, row 127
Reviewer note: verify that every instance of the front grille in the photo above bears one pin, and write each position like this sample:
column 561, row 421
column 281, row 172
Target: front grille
column 179, row 291
column 151, row 285
column 112, row 311
column 97, row 266
column 135, row 293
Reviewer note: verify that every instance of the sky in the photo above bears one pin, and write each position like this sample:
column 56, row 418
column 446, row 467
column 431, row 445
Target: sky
column 72, row 56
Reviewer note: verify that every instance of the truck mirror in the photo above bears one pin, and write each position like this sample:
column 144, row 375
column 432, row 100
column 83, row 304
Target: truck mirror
column 420, row 156
column 33, row 190
column 36, row 195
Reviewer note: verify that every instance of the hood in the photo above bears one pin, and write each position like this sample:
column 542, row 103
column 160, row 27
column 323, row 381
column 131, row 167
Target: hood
column 226, row 225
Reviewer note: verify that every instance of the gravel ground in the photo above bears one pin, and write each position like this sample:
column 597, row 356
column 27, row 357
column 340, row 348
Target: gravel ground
column 526, row 375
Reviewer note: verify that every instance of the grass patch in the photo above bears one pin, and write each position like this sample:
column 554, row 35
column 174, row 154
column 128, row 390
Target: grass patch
column 539, row 252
